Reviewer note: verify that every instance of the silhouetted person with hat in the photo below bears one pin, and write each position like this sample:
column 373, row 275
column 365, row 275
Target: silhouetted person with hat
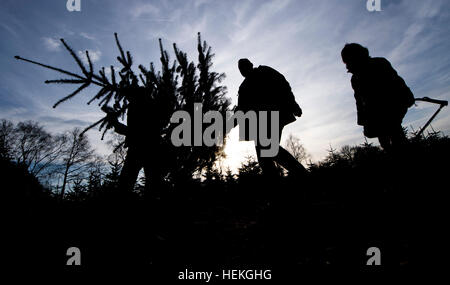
column 265, row 89
column 382, row 96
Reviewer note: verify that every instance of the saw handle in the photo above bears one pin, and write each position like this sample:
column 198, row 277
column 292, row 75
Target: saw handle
column 427, row 99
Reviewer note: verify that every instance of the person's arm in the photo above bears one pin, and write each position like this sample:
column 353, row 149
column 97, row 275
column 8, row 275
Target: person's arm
column 242, row 104
column 113, row 121
column 360, row 115
column 401, row 93
column 120, row 128
column 289, row 97
column 296, row 110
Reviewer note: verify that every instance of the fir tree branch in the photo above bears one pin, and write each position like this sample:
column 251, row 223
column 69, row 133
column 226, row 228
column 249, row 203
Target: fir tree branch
column 72, row 94
column 65, row 81
column 75, row 56
column 50, row 67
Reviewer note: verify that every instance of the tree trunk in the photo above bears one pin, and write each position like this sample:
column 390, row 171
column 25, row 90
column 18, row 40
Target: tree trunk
column 63, row 188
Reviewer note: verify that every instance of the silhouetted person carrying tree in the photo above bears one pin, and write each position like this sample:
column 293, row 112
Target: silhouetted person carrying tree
column 150, row 104
column 142, row 134
column 382, row 96
column 265, row 89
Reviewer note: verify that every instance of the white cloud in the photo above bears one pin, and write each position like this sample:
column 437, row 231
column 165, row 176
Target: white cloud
column 94, row 55
column 87, row 36
column 9, row 29
column 52, row 44
column 108, row 69
column 145, row 10
column 198, row 3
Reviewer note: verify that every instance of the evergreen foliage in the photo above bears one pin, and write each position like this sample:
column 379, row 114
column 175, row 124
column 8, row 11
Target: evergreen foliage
column 177, row 86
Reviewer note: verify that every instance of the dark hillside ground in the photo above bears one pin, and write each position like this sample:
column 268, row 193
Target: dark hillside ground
column 357, row 198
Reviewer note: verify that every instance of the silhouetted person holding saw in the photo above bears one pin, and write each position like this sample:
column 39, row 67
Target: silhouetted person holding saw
column 382, row 96
column 142, row 139
column 265, row 89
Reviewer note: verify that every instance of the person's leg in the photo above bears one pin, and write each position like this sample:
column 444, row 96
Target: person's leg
column 385, row 142
column 399, row 139
column 129, row 173
column 267, row 164
column 153, row 180
column 285, row 159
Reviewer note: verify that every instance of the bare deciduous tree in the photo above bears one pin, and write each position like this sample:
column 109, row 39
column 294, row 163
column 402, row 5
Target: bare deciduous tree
column 119, row 152
column 28, row 144
column 298, row 151
column 76, row 156
column 6, row 139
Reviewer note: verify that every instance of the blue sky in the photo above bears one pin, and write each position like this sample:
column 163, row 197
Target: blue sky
column 300, row 38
